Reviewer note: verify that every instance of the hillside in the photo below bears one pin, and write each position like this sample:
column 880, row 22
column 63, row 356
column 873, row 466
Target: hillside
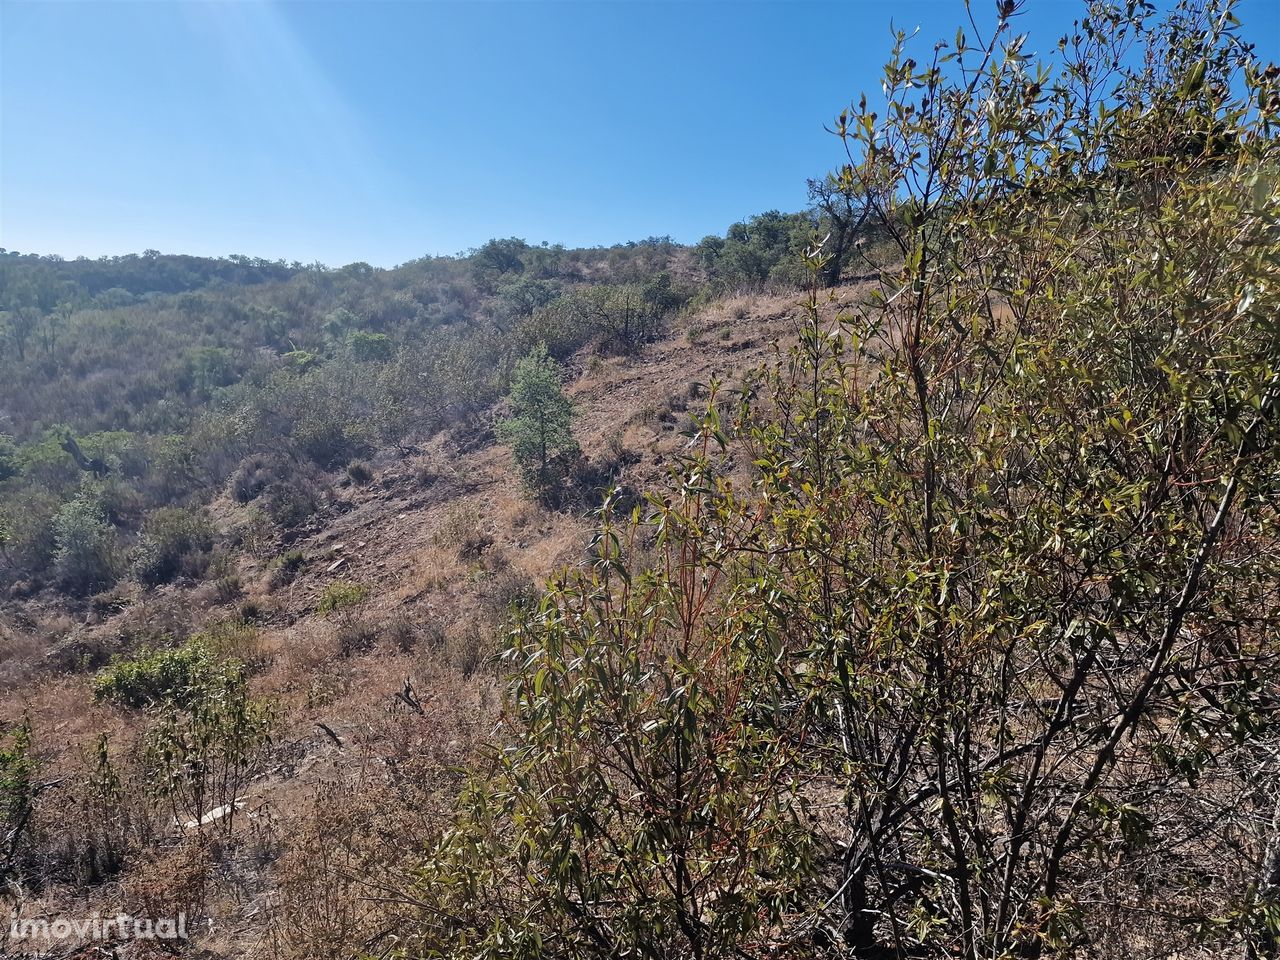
column 894, row 580
column 443, row 538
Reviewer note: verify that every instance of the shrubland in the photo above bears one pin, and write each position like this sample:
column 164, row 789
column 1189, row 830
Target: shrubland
column 183, row 374
column 971, row 662
column 948, row 632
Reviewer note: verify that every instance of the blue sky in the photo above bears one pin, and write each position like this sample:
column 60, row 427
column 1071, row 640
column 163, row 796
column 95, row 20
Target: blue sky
column 384, row 131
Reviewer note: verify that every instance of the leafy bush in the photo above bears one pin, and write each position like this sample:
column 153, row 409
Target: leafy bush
column 233, row 642
column 301, row 360
column 17, row 781
column 86, row 554
column 292, row 560
column 292, row 504
column 44, row 461
column 27, row 518
column 228, row 587
column 764, row 248
column 10, row 465
column 285, row 567
column 209, row 368
column 997, row 608
column 368, row 347
column 290, row 491
column 204, row 749
column 616, row 317
column 630, row 755
column 156, row 676
column 252, row 476
column 170, row 536
column 341, row 595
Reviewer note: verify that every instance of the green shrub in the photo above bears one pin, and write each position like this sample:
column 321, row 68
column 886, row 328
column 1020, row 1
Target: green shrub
column 17, row 776
column 340, row 595
column 539, row 429
column 759, row 249
column 290, row 490
column 359, row 473
column 228, row 587
column 301, row 360
column 45, row 462
column 27, row 519
column 291, row 504
column 322, row 440
column 157, row 676
column 86, row 554
column 9, row 463
column 285, row 568
column 251, row 477
column 234, row 642
column 292, row 560
column 208, row 368
column 367, row 347
column 203, row 752
column 618, row 318
column 169, row 535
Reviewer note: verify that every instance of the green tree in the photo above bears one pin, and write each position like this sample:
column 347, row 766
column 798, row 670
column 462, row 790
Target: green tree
column 496, row 259
column 209, row 368
column 539, row 428
column 763, row 248
column 840, row 217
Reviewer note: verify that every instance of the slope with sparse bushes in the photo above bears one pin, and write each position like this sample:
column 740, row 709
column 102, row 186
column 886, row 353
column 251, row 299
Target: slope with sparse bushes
column 663, row 602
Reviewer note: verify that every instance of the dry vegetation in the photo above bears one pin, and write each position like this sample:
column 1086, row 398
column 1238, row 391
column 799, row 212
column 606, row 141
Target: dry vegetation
column 356, row 779
column 931, row 615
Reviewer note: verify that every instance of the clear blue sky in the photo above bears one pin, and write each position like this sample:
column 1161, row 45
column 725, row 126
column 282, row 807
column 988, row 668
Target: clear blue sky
column 385, row 131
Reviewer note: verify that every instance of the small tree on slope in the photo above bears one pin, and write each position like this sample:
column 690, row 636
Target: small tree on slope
column 539, row 430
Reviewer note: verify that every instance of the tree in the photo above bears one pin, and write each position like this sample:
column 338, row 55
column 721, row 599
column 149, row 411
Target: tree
column 758, row 250
column 496, row 259
column 539, row 427
column 841, row 218
column 208, row 368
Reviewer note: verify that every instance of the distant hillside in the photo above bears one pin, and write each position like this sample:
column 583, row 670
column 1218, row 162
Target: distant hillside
column 172, row 372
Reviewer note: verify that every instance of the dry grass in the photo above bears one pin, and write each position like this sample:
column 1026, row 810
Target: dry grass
column 20, row 655
column 436, row 568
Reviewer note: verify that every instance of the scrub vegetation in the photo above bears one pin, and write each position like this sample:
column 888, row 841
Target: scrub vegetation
column 895, row 579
